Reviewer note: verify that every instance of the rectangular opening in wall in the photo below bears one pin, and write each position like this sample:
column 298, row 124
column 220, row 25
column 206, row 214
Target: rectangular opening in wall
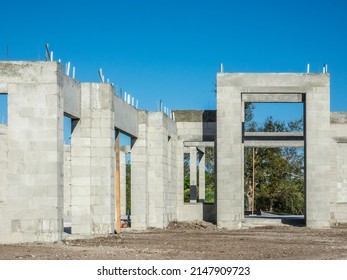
column 274, row 158
column 124, row 169
column 69, row 126
column 3, row 108
column 209, row 175
column 186, row 177
column 274, row 183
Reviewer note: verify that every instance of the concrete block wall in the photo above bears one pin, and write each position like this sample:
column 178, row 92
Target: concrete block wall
column 229, row 152
column 316, row 88
column 67, row 183
column 3, row 164
column 338, row 165
column 35, row 151
column 122, row 172
column 318, row 144
column 92, row 162
column 139, row 175
column 4, row 219
column 153, row 170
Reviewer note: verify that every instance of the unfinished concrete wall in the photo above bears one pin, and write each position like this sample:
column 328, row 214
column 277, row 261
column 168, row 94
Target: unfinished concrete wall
column 338, row 163
column 316, row 89
column 67, row 183
column 125, row 117
column 72, row 93
column 318, row 143
column 122, row 171
column 92, row 162
column 35, row 151
column 153, row 172
column 4, row 222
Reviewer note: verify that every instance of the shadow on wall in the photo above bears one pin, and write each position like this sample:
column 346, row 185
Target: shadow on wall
column 209, row 125
column 209, row 213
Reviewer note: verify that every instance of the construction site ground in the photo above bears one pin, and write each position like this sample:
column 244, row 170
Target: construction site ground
column 196, row 240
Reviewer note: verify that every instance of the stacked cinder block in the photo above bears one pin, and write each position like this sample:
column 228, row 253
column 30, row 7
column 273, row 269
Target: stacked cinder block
column 153, row 192
column 316, row 91
column 34, row 208
column 67, row 183
column 338, row 165
column 92, row 162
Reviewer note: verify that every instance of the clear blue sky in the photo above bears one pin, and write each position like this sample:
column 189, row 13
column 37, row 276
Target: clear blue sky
column 171, row 50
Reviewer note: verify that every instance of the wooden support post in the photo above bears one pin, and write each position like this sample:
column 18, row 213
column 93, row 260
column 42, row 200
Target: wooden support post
column 253, row 189
column 117, row 185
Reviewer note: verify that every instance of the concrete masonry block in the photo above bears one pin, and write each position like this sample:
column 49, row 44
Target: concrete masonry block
column 79, row 152
column 84, row 229
column 80, row 181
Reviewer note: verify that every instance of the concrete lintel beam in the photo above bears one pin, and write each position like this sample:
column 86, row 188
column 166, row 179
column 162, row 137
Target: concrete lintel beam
column 273, row 136
column 273, row 144
column 273, row 97
column 199, row 144
column 3, row 88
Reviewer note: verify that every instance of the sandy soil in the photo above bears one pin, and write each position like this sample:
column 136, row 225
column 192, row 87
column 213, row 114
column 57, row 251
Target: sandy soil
column 194, row 241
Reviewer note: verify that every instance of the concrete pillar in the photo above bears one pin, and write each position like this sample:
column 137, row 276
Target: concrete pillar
column 153, row 196
column 318, row 145
column 229, row 153
column 202, row 174
column 3, row 164
column 193, row 174
column 35, row 154
column 139, row 175
column 123, row 183
column 92, row 162
column 67, row 184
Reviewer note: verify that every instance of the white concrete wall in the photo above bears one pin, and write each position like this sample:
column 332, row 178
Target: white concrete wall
column 338, row 164
column 67, row 182
column 316, row 88
column 4, row 220
column 72, row 97
column 125, row 117
column 92, row 162
column 154, row 172
column 35, row 151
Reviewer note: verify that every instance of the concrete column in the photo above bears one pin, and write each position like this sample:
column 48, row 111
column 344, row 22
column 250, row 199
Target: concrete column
column 193, row 174
column 318, row 145
column 153, row 196
column 201, row 174
column 3, row 164
column 139, row 175
column 229, row 153
column 35, row 155
column 67, row 184
column 123, row 183
column 92, row 162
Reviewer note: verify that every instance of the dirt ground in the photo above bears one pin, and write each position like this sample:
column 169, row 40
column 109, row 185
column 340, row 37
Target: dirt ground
column 194, row 241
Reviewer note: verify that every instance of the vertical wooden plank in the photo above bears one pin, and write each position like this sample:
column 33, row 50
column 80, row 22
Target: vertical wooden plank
column 117, row 185
column 253, row 179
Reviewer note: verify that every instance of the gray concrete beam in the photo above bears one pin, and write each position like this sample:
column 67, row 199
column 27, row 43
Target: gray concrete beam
column 198, row 144
column 274, row 144
column 273, row 97
column 72, row 97
column 125, row 117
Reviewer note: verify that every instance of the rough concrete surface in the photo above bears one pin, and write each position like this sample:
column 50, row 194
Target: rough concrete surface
column 196, row 240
